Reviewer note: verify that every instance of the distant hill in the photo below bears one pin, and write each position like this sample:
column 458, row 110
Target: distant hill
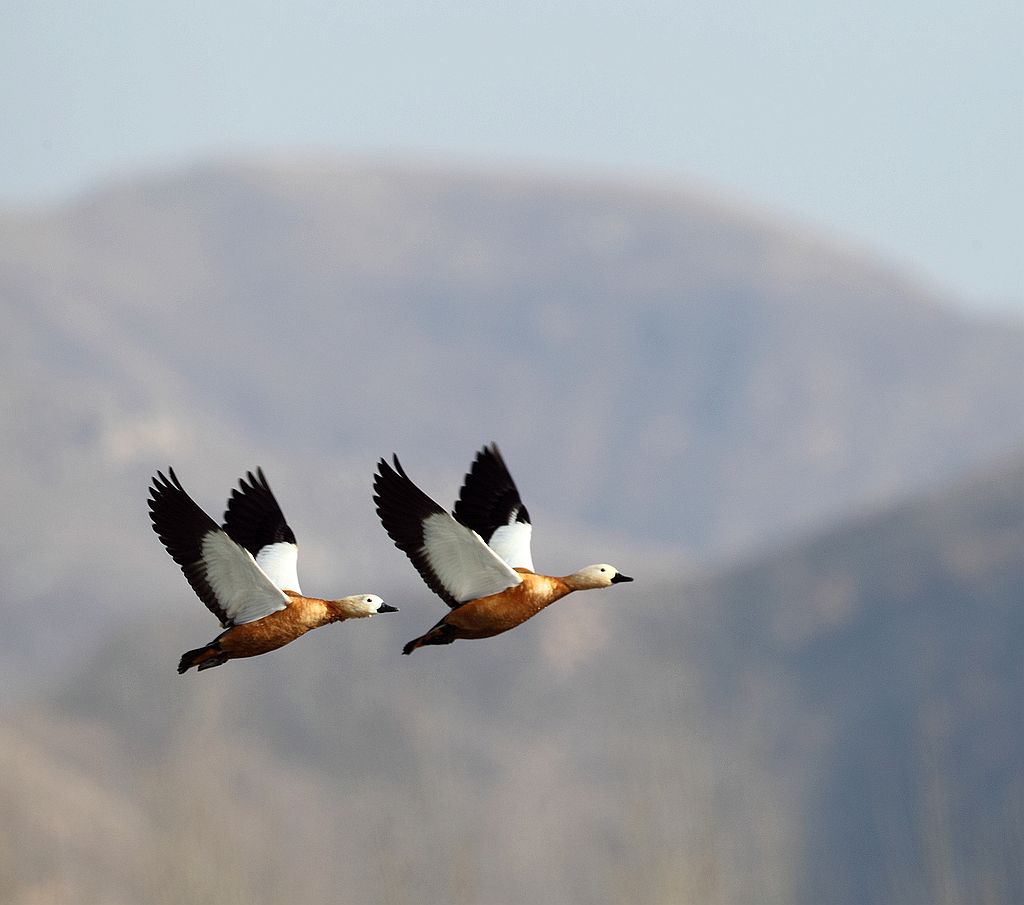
column 893, row 644
column 835, row 722
column 673, row 379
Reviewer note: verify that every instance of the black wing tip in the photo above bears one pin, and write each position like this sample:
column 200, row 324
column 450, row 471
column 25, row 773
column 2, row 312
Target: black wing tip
column 160, row 478
column 382, row 473
column 254, row 517
column 251, row 488
column 490, row 454
column 489, row 498
column 251, row 482
column 161, row 484
column 387, row 473
column 491, row 451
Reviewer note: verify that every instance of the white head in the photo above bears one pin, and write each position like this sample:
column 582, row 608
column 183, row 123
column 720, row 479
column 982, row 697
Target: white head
column 600, row 575
column 365, row 605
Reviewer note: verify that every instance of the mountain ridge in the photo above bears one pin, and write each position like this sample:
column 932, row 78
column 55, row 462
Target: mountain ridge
column 660, row 374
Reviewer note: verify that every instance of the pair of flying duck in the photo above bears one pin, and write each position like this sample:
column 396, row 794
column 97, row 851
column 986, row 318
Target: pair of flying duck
column 476, row 559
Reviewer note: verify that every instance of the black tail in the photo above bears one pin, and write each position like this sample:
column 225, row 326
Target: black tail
column 439, row 634
column 203, row 657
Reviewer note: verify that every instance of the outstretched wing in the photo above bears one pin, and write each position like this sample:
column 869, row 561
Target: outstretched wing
column 222, row 573
column 452, row 559
column 489, row 503
column 255, row 520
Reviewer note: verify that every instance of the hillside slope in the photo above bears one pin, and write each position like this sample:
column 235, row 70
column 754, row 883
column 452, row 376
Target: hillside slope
column 836, row 722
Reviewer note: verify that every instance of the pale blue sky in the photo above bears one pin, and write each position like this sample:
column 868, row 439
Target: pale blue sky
column 896, row 124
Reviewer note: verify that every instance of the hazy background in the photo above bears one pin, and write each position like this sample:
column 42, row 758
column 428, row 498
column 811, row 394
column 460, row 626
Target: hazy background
column 738, row 294
column 897, row 125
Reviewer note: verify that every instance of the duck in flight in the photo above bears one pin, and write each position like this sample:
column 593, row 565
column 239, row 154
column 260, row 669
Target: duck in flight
column 476, row 559
column 245, row 572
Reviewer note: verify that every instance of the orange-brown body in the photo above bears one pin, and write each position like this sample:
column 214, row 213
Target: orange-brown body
column 500, row 612
column 497, row 613
column 250, row 639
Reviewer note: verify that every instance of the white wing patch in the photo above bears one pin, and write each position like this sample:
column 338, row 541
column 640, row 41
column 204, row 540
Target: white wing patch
column 243, row 590
column 462, row 562
column 512, row 544
column 280, row 562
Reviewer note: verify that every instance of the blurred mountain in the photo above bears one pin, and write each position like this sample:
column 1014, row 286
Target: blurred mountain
column 881, row 663
column 834, row 722
column 672, row 379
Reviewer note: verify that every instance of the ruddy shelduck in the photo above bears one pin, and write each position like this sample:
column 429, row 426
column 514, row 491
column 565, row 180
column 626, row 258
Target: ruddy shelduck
column 245, row 572
column 476, row 559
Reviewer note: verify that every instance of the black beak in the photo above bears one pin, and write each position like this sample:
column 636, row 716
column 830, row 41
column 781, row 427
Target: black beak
column 620, row 577
column 386, row 608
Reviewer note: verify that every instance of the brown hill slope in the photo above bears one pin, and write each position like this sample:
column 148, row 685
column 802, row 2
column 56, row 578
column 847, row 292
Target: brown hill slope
column 834, row 722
